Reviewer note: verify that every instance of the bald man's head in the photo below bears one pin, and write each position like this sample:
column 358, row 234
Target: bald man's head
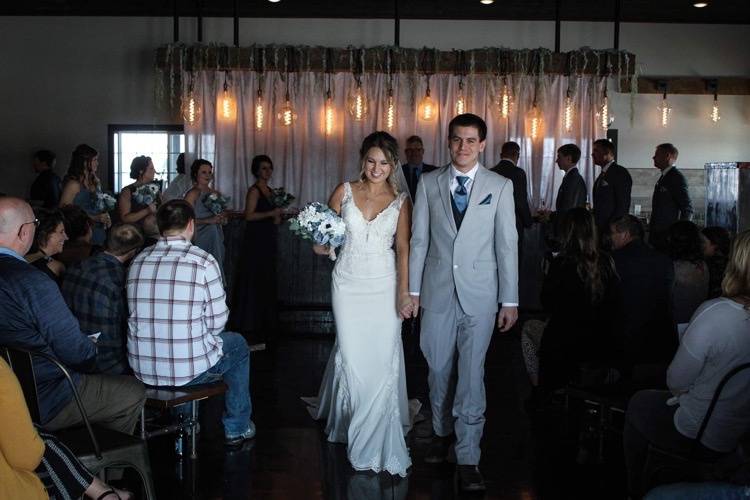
column 16, row 224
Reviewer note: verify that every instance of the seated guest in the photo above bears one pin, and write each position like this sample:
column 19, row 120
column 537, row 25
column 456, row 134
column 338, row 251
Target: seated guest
column 34, row 316
column 180, row 184
column 716, row 252
column 580, row 296
column 685, row 248
column 46, row 189
column 48, row 242
column 183, row 341
column 646, row 280
column 715, row 342
column 130, row 208
column 35, row 465
column 95, row 292
column 79, row 229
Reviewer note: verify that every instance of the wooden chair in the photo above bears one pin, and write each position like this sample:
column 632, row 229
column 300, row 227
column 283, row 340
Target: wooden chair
column 96, row 447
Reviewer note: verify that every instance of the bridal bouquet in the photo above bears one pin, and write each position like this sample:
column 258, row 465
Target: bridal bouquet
column 318, row 223
column 146, row 194
column 280, row 198
column 104, row 202
column 216, row 202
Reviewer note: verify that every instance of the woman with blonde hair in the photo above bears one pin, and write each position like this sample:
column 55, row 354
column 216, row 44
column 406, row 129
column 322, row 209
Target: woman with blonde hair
column 363, row 393
column 716, row 341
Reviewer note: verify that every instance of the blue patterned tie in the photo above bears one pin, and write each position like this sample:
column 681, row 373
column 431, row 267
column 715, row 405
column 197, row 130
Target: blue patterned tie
column 460, row 195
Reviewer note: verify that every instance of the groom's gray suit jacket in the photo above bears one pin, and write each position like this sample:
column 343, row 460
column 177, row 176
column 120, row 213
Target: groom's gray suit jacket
column 480, row 260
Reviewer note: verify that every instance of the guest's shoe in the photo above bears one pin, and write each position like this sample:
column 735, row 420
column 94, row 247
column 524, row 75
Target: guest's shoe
column 438, row 450
column 234, row 442
column 469, row 478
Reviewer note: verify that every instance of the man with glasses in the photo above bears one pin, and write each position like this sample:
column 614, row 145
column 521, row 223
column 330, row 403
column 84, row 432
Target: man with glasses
column 414, row 167
column 34, row 316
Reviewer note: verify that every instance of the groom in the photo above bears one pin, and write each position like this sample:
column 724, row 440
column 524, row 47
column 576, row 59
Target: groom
column 463, row 263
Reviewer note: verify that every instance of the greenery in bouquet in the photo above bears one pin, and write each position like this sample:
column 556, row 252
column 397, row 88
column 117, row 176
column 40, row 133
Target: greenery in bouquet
column 146, row 194
column 280, row 198
column 216, row 202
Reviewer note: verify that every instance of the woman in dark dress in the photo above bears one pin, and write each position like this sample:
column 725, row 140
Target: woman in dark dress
column 254, row 304
column 48, row 241
column 580, row 296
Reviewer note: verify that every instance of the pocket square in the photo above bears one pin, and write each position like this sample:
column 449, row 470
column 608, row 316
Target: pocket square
column 487, row 200
column 604, row 184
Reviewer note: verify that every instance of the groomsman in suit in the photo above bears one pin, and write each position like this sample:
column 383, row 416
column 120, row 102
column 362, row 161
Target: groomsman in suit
column 611, row 188
column 463, row 264
column 414, row 167
column 671, row 200
column 509, row 154
column 572, row 192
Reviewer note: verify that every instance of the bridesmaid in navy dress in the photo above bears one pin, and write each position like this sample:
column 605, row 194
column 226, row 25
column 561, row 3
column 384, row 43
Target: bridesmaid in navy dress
column 254, row 304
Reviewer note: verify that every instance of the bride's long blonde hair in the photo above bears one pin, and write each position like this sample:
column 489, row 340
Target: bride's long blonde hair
column 389, row 146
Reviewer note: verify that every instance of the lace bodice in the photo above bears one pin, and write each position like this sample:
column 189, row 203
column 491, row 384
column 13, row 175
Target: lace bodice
column 368, row 248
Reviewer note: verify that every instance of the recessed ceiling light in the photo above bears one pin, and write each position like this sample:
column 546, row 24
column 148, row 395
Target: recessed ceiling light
column 486, row 2
column 274, row 1
column 700, row 5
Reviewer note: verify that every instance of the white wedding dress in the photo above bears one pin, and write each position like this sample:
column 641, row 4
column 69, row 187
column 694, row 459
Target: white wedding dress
column 363, row 393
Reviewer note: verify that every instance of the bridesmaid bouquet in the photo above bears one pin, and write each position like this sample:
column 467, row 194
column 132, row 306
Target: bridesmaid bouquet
column 280, row 198
column 318, row 223
column 146, row 194
column 104, row 202
column 216, row 202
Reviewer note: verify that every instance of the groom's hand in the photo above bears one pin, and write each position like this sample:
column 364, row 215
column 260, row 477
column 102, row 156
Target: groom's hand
column 506, row 318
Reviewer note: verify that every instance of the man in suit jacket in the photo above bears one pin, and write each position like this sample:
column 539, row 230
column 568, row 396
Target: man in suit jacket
column 414, row 167
column 463, row 263
column 648, row 332
column 509, row 154
column 671, row 200
column 611, row 188
column 572, row 191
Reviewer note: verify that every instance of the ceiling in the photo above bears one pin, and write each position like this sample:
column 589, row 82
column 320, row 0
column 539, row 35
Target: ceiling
column 661, row 11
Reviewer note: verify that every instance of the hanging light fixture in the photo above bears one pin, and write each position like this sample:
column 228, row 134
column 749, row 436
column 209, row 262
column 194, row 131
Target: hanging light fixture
column 535, row 122
column 460, row 100
column 604, row 115
column 427, row 109
column 390, row 111
column 357, row 101
column 191, row 109
column 665, row 110
column 713, row 86
column 569, row 112
column 328, row 114
column 227, row 108
column 259, row 114
column 505, row 100
column 286, row 114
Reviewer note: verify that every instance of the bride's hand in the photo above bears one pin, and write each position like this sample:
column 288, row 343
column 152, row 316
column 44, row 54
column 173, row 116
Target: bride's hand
column 321, row 250
column 405, row 306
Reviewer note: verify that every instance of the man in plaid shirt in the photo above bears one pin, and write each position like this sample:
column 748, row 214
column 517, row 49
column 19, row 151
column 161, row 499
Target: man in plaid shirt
column 94, row 289
column 178, row 311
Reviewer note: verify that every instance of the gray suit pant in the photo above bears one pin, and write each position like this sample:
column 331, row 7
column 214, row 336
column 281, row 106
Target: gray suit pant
column 455, row 344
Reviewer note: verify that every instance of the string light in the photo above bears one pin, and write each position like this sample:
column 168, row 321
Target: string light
column 329, row 114
column 390, row 111
column 358, row 105
column 427, row 108
column 286, row 115
column 665, row 110
column 568, row 115
column 259, row 114
column 715, row 117
column 460, row 100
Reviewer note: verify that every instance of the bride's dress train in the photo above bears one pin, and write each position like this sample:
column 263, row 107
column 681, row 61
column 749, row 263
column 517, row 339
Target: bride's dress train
column 363, row 392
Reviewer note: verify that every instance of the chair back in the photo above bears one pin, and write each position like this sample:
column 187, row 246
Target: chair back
column 715, row 399
column 21, row 364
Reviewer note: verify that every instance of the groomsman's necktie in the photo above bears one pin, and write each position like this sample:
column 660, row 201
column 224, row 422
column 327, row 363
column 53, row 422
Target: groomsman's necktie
column 460, row 195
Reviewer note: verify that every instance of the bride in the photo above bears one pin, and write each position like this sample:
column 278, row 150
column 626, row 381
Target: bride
column 363, row 393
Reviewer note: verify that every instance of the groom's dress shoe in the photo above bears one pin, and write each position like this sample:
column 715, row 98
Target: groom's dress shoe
column 469, row 478
column 438, row 450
